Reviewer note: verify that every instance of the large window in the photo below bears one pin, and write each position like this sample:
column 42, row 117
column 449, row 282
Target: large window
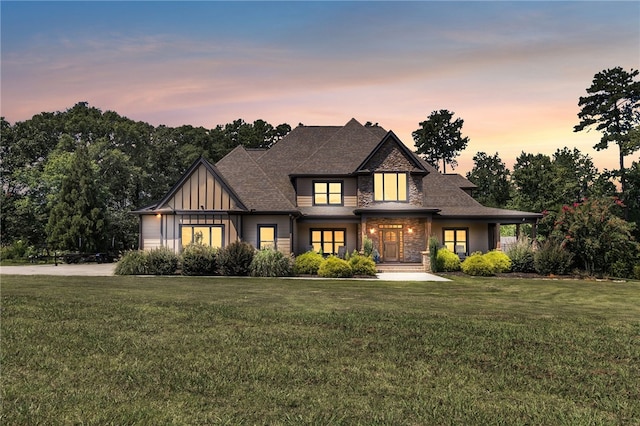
column 390, row 186
column 456, row 240
column 202, row 234
column 327, row 193
column 267, row 236
column 328, row 241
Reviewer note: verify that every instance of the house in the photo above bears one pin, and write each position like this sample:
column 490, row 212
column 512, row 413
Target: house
column 326, row 188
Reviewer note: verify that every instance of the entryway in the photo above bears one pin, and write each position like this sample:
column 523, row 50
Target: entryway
column 390, row 245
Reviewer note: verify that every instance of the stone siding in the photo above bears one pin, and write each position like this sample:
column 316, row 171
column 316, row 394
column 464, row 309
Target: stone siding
column 389, row 158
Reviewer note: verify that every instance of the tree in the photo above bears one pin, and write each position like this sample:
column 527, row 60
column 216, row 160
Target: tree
column 491, row 176
column 440, row 139
column 533, row 183
column 613, row 107
column 77, row 219
column 574, row 175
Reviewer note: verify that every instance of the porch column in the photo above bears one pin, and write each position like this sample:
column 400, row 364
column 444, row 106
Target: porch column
column 498, row 245
column 426, row 255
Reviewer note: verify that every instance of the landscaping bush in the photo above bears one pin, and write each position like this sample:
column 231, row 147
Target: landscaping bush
column 307, row 263
column 500, row 261
column 362, row 265
column 162, row 261
column 552, row 258
column 478, row 265
column 132, row 263
column 447, row 261
column 198, row 259
column 270, row 263
column 334, row 267
column 522, row 256
column 367, row 247
column 235, row 259
column 17, row 250
column 434, row 245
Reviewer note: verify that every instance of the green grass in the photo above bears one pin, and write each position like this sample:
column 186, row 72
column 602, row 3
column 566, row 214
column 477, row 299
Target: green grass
column 178, row 350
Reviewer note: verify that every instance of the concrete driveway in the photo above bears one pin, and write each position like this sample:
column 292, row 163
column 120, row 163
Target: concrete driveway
column 81, row 269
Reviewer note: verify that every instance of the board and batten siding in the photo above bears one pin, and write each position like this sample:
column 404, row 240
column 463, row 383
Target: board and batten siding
column 202, row 191
column 165, row 230
column 151, row 235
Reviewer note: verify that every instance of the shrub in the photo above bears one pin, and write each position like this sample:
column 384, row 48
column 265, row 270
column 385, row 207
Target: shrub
column 162, row 261
column 434, row 245
column 362, row 265
column 500, row 261
column 478, row 265
column 307, row 263
column 367, row 247
column 198, row 259
column 447, row 261
column 595, row 233
column 552, row 258
column 334, row 267
column 636, row 272
column 132, row 263
column 270, row 263
column 522, row 256
column 235, row 259
column 17, row 250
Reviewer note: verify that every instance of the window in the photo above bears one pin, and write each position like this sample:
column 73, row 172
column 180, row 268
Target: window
column 328, row 241
column 267, row 236
column 202, row 234
column 390, row 186
column 327, row 193
column 455, row 240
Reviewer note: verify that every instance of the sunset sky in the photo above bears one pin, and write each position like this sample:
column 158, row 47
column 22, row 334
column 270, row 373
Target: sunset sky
column 512, row 70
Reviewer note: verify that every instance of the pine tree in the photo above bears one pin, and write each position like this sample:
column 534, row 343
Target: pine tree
column 77, row 219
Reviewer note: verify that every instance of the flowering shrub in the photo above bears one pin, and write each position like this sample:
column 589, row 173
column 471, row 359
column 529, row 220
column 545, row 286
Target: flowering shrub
column 595, row 234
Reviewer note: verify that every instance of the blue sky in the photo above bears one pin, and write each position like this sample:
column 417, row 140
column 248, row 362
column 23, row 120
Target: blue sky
column 512, row 70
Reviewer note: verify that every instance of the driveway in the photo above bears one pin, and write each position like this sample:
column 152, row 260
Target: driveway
column 82, row 269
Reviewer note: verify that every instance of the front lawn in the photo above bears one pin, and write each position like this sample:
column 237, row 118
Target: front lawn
column 182, row 350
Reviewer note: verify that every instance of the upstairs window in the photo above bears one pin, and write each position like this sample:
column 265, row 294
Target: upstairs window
column 327, row 193
column 390, row 186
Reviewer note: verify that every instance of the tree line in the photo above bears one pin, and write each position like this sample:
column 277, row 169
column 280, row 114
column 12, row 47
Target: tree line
column 70, row 179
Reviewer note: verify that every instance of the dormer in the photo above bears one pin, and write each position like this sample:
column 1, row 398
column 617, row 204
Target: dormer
column 390, row 174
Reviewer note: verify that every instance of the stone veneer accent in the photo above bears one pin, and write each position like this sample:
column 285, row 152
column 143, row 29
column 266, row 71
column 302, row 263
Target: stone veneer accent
column 389, row 158
column 414, row 243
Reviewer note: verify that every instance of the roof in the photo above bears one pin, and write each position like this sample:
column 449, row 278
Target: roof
column 252, row 184
column 261, row 180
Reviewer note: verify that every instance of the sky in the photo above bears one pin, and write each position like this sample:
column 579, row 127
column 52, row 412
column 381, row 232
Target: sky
column 513, row 71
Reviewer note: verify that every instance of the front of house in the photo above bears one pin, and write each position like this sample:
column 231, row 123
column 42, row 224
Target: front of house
column 326, row 188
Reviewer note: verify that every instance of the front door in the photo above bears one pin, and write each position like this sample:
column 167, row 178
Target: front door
column 390, row 245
